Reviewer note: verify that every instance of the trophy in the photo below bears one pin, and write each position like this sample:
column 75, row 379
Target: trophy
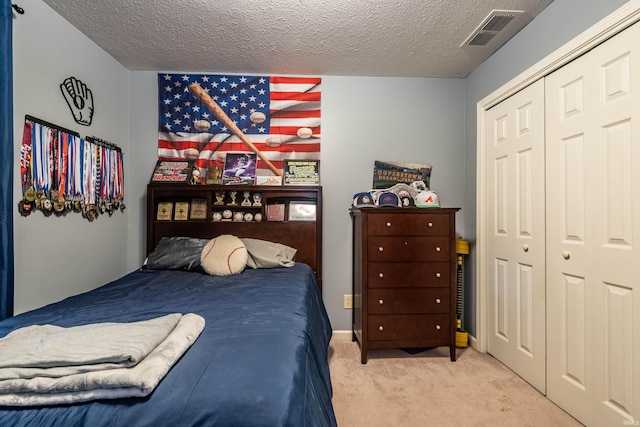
column 233, row 198
column 245, row 200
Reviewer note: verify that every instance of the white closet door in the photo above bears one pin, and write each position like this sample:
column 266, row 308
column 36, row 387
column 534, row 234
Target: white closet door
column 516, row 246
column 593, row 233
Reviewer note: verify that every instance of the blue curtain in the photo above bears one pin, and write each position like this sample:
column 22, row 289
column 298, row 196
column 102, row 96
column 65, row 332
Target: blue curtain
column 6, row 160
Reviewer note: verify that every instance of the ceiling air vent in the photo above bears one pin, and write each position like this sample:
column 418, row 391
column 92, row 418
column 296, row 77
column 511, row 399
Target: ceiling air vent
column 490, row 27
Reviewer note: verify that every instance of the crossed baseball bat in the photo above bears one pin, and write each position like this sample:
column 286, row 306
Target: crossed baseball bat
column 213, row 106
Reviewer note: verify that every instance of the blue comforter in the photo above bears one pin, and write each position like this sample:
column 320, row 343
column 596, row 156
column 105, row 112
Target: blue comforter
column 260, row 361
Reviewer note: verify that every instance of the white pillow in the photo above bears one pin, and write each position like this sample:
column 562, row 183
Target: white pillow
column 224, row 255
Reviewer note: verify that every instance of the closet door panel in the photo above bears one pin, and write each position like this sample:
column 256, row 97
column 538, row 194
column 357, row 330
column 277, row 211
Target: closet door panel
column 593, row 233
column 515, row 196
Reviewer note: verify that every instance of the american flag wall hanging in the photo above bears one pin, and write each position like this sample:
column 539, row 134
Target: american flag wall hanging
column 202, row 117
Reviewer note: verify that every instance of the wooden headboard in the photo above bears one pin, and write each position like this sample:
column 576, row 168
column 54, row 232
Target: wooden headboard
column 171, row 209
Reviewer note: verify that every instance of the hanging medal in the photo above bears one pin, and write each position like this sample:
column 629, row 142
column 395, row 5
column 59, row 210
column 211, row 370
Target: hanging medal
column 26, row 205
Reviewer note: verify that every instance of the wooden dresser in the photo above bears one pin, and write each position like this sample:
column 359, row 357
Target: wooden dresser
column 404, row 282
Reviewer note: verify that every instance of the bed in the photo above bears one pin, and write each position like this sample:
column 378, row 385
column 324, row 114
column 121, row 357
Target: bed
column 260, row 360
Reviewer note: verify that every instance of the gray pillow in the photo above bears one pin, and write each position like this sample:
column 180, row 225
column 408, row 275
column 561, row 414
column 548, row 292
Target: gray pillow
column 266, row 254
column 177, row 253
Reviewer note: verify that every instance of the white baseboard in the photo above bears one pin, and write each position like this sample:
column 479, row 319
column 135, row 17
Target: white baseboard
column 341, row 335
column 473, row 342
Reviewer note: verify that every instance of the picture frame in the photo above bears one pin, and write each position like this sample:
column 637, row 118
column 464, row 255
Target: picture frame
column 388, row 174
column 181, row 211
column 301, row 172
column 275, row 212
column 172, row 172
column 268, row 180
column 198, row 209
column 214, row 175
column 164, row 212
column 302, row 211
column 239, row 168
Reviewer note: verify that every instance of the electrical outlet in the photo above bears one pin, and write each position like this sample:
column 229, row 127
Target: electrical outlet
column 348, row 301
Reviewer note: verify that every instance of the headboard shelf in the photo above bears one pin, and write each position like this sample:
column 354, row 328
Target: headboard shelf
column 170, row 208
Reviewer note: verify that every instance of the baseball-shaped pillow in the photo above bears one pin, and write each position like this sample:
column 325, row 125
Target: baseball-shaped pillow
column 224, row 255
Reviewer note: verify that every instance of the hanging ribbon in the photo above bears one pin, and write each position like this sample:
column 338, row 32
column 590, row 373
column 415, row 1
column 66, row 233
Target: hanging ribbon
column 61, row 172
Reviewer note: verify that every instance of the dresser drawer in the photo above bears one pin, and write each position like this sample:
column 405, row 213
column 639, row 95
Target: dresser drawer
column 409, row 301
column 408, row 326
column 408, row 274
column 408, row 248
column 417, row 224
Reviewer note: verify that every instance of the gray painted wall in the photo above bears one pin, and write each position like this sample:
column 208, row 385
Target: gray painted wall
column 58, row 257
column 364, row 119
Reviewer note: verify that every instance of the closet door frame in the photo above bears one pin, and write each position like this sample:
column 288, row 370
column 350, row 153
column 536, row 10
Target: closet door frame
column 622, row 18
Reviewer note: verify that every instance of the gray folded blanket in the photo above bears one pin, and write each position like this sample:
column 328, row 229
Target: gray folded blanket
column 54, row 351
column 133, row 372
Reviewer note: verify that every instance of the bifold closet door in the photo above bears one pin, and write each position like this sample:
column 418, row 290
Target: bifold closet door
column 516, row 247
column 593, row 233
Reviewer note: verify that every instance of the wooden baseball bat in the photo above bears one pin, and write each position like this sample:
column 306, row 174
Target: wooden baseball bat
column 212, row 106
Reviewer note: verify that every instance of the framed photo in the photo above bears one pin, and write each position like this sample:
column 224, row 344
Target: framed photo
column 172, row 172
column 275, row 212
column 388, row 174
column 239, row 169
column 301, row 172
column 165, row 209
column 214, row 175
column 182, row 211
column 302, row 211
column 268, row 180
column 198, row 209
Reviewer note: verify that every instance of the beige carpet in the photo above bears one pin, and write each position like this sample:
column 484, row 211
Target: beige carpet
column 396, row 388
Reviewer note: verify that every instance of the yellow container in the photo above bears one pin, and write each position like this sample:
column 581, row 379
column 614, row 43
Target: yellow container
column 462, row 338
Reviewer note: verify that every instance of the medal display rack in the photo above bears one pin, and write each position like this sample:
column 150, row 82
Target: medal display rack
column 61, row 172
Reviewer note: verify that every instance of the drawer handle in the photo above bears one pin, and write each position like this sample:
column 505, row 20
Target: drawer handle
column 438, row 275
column 380, row 249
column 437, row 300
column 380, row 328
column 437, row 248
column 381, row 275
column 430, row 224
column 438, row 327
column 388, row 224
column 380, row 301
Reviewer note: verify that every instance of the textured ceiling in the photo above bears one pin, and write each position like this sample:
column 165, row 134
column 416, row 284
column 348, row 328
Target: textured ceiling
column 403, row 38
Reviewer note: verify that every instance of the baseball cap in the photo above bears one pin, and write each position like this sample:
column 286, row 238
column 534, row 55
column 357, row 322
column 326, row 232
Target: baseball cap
column 363, row 200
column 427, row 199
column 388, row 199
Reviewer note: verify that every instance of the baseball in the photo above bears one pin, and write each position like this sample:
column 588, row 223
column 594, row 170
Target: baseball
column 191, row 153
column 202, row 125
column 224, row 255
column 304, row 133
column 258, row 217
column 258, row 117
column 274, row 142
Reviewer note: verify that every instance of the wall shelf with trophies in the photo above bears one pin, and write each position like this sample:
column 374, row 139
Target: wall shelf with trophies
column 242, row 210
